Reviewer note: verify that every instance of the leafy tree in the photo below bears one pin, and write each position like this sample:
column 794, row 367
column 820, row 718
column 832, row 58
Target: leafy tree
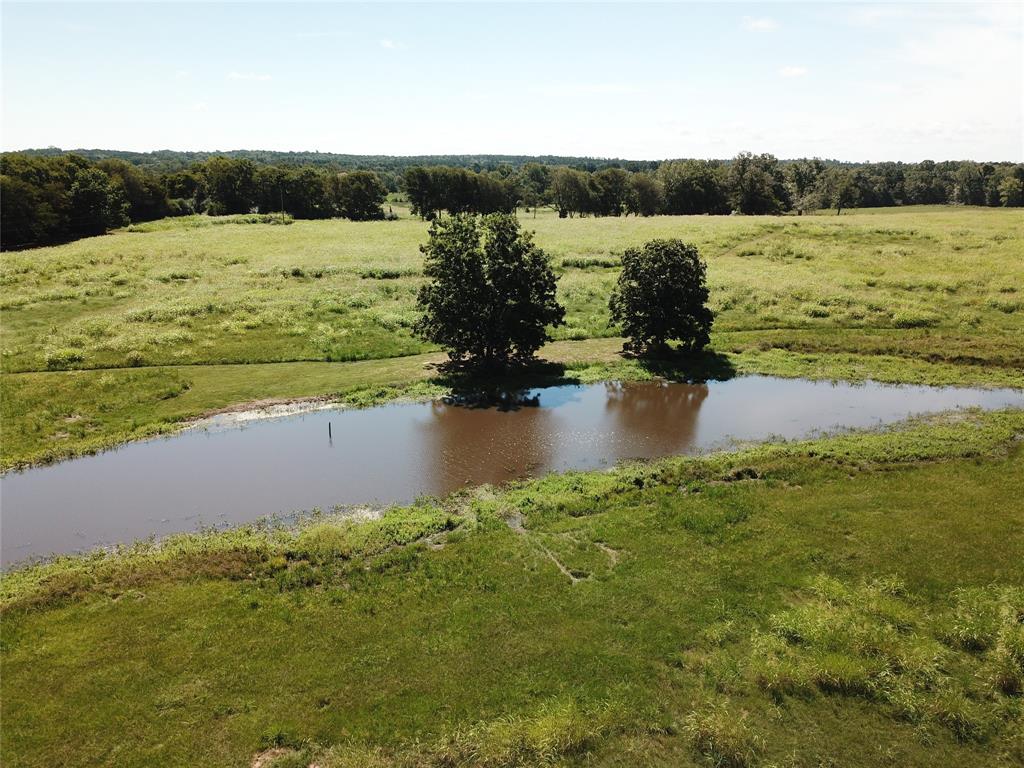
column 359, row 195
column 96, row 203
column 969, row 184
column 186, row 185
column 534, row 181
column 803, row 177
column 491, row 295
column 693, row 186
column 146, row 196
column 229, row 185
column 662, row 294
column 457, row 190
column 1011, row 191
column 306, row 195
column 646, row 196
column 570, row 192
column 924, row 184
column 757, row 184
column 270, row 183
column 611, row 191
column 22, row 221
column 838, row 188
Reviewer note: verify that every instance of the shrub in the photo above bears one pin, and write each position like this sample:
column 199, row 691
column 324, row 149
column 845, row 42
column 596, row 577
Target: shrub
column 586, row 262
column 385, row 273
column 133, row 358
column 61, row 359
column 662, row 294
column 180, row 206
column 909, row 318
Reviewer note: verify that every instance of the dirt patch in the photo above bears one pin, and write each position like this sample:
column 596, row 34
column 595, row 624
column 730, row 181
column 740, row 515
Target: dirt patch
column 257, row 410
column 267, row 757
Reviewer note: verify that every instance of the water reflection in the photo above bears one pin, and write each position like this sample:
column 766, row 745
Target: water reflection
column 654, row 419
column 473, row 443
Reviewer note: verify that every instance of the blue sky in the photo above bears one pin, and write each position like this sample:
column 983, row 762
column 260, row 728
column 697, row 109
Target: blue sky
column 849, row 81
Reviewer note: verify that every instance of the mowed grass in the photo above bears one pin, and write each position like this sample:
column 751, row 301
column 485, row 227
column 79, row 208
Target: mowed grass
column 169, row 319
column 851, row 601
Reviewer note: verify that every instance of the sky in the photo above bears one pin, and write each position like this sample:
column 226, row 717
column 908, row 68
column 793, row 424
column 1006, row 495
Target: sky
column 856, row 82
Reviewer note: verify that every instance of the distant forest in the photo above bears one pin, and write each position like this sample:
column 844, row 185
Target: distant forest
column 51, row 195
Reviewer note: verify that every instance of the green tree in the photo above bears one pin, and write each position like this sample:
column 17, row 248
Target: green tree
column 22, row 218
column 661, row 295
column 646, row 196
column 534, row 181
column 757, row 185
column 837, row 188
column 612, row 191
column 97, row 204
column 969, row 184
column 491, row 292
column 146, row 196
column 1011, row 191
column 229, row 185
column 570, row 193
column 693, row 187
column 803, row 177
column 924, row 184
column 359, row 195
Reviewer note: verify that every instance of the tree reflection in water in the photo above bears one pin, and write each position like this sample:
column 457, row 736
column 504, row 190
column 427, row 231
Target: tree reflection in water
column 489, row 438
column 654, row 418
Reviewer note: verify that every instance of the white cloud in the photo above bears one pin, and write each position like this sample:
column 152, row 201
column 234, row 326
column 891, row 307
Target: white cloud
column 759, row 24
column 792, row 71
column 181, row 74
column 250, row 76
column 391, row 45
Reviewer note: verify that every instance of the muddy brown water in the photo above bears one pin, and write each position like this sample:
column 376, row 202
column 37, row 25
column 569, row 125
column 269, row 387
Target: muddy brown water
column 225, row 475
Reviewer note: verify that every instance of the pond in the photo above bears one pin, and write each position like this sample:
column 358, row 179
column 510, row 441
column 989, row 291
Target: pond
column 228, row 474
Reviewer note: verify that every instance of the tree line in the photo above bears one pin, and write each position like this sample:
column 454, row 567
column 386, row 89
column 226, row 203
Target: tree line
column 747, row 184
column 51, row 197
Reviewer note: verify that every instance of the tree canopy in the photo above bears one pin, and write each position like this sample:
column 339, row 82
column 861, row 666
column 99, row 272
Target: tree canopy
column 662, row 295
column 490, row 298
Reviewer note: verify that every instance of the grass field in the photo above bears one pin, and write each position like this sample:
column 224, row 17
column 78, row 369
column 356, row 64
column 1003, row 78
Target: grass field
column 854, row 600
column 144, row 307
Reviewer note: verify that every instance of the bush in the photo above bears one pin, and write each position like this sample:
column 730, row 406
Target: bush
column 491, row 295
column 180, row 206
column 662, row 294
column 61, row 359
column 908, row 318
